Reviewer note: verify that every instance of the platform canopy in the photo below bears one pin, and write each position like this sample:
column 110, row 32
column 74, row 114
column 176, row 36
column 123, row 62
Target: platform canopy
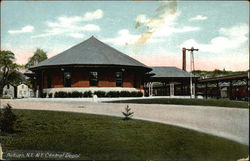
column 164, row 73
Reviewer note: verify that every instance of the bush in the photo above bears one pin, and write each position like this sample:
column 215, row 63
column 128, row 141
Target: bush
column 100, row 93
column 125, row 94
column 136, row 94
column 8, row 120
column 61, row 94
column 87, row 94
column 113, row 94
column 5, row 97
column 50, row 95
column 76, row 94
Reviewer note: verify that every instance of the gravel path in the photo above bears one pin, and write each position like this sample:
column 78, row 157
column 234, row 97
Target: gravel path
column 230, row 123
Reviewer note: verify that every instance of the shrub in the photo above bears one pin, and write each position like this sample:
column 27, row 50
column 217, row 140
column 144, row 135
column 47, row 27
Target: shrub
column 61, row 94
column 125, row 94
column 8, row 120
column 100, row 93
column 50, row 95
column 127, row 114
column 5, row 97
column 76, row 94
column 113, row 94
column 136, row 94
column 87, row 94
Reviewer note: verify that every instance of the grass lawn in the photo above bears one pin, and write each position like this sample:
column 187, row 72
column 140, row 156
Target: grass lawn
column 103, row 137
column 203, row 102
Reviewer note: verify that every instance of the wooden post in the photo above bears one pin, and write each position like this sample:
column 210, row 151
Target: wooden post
column 218, row 90
column 230, row 90
column 206, row 90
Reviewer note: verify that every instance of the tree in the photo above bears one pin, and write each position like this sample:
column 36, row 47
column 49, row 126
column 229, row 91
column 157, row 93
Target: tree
column 38, row 56
column 8, row 69
column 127, row 114
column 8, row 120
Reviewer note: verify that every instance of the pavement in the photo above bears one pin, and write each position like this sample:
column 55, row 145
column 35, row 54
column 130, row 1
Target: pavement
column 229, row 123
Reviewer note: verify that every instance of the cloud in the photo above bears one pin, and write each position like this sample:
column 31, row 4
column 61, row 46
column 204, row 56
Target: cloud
column 90, row 27
column 161, row 25
column 165, row 13
column 25, row 29
column 76, row 35
column 124, row 38
column 228, row 39
column 72, row 26
column 93, row 15
column 198, row 18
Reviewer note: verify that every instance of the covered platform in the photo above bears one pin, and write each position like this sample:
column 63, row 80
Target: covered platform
column 169, row 81
column 234, row 87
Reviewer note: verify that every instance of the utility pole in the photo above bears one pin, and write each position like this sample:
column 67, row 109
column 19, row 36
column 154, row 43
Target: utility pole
column 192, row 88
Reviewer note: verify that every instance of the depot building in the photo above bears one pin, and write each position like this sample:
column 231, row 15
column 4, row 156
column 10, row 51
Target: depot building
column 89, row 66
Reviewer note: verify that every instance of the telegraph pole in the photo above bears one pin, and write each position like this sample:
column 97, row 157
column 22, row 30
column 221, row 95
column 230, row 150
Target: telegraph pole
column 192, row 88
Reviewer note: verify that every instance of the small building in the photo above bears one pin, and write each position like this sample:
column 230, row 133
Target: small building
column 89, row 66
column 23, row 91
column 9, row 91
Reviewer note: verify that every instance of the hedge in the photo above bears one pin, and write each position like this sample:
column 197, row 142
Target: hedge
column 76, row 94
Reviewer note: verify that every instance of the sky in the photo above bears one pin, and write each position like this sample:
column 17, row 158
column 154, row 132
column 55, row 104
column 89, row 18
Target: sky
column 153, row 32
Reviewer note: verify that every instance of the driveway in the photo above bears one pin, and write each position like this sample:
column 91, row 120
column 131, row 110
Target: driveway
column 230, row 123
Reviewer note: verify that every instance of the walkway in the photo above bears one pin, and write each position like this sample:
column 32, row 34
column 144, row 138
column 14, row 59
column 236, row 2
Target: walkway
column 230, row 123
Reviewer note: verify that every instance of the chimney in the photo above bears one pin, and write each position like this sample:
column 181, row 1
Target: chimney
column 184, row 59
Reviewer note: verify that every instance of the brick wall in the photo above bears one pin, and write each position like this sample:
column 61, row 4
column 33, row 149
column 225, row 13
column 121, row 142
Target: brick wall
column 80, row 78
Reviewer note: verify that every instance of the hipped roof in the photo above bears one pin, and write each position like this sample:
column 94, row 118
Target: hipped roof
column 91, row 52
column 170, row 72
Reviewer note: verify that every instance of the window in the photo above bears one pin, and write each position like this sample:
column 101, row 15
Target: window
column 8, row 86
column 118, row 79
column 24, row 92
column 22, row 86
column 93, row 79
column 67, row 79
column 49, row 81
column 20, row 93
column 135, row 81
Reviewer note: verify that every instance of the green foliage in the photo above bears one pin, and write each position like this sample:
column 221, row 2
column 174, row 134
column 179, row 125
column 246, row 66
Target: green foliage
column 125, row 94
column 50, row 95
column 61, row 94
column 76, row 94
column 127, row 113
column 8, row 69
column 87, row 94
column 38, row 56
column 100, row 93
column 8, row 120
column 113, row 94
column 5, row 97
column 97, row 137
